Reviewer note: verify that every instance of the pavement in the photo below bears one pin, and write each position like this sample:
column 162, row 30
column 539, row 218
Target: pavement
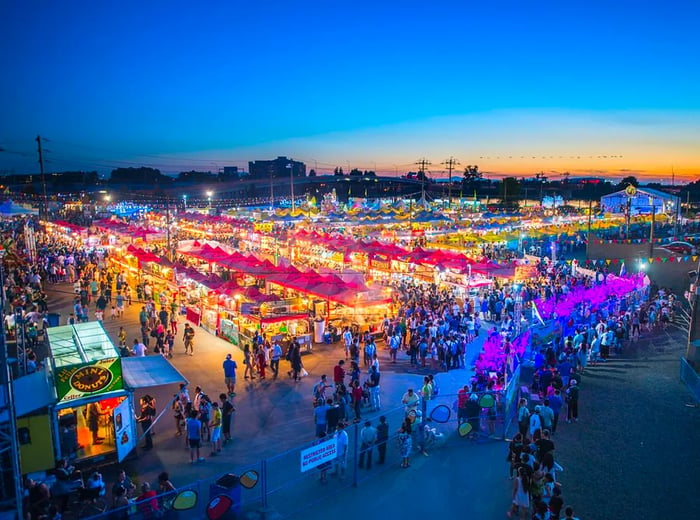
column 273, row 418
column 631, row 453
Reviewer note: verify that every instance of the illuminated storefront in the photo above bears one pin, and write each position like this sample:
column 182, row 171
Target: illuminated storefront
column 86, row 396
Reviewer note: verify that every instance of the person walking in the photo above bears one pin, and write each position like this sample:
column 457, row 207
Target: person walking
column 521, row 498
column 248, row 362
column 275, row 357
column 230, row 367
column 188, row 338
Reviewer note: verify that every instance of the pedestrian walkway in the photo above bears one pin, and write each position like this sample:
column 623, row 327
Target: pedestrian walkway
column 271, row 416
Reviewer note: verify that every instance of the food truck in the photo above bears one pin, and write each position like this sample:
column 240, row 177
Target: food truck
column 81, row 405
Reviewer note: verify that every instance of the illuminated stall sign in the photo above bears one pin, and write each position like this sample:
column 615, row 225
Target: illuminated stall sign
column 98, row 377
column 381, row 263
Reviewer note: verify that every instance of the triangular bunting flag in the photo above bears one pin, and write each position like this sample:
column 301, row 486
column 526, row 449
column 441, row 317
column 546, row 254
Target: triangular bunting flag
column 607, row 261
column 651, row 260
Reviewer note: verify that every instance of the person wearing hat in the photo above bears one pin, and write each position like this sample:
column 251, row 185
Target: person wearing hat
column 230, row 367
column 535, row 421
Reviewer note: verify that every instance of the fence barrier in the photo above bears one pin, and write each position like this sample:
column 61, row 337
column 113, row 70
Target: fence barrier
column 691, row 379
column 277, row 482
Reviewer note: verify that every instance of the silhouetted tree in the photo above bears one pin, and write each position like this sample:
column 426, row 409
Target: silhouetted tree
column 312, row 173
column 472, row 177
column 630, row 179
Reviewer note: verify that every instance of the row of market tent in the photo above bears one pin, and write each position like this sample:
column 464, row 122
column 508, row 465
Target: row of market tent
column 329, row 287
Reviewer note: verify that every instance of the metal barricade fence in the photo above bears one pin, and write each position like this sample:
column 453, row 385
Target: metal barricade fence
column 691, row 378
column 278, row 482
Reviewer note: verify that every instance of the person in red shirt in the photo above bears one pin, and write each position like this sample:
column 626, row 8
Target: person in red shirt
column 147, row 501
column 339, row 373
column 356, row 399
column 462, row 398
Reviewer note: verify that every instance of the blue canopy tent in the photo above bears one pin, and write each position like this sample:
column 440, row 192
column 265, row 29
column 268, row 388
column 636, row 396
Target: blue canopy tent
column 10, row 209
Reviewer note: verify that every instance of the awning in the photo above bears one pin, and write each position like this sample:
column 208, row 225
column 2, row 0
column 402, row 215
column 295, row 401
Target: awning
column 32, row 392
column 145, row 372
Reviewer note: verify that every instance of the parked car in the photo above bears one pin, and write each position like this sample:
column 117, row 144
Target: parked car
column 681, row 248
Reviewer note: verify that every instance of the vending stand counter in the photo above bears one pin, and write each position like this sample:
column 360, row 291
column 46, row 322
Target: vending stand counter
column 82, row 405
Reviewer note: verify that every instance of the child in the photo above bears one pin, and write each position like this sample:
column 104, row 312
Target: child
column 113, row 313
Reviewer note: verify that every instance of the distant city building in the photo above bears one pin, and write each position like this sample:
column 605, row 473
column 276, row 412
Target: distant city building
column 231, row 172
column 276, row 168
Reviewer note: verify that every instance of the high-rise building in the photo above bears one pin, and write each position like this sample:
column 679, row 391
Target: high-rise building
column 277, row 168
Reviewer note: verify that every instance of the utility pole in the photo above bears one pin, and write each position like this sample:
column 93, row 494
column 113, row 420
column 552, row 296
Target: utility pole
column 45, row 210
column 422, row 163
column 450, row 163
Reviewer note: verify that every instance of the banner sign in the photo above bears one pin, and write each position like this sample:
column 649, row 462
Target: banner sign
column 87, row 379
column 263, row 227
column 124, row 429
column 643, row 240
column 659, row 260
column 316, row 455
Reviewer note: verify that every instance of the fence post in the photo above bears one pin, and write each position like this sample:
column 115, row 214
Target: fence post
column 355, row 461
column 263, row 488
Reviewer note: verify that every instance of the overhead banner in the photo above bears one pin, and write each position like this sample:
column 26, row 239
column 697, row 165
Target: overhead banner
column 98, row 377
column 316, row 455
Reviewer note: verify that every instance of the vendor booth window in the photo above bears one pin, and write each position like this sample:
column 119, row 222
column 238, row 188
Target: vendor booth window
column 88, row 430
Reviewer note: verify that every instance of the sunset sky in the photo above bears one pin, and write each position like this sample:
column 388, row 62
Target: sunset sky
column 589, row 87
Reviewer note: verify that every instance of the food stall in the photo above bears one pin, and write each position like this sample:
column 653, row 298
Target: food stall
column 81, row 406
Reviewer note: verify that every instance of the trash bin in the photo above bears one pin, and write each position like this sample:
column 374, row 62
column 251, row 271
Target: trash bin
column 319, row 330
column 54, row 319
column 229, row 485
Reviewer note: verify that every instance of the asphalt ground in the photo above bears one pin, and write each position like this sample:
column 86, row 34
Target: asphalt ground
column 632, row 453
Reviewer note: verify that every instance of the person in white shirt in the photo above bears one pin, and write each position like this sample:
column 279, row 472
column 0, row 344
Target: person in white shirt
column 341, row 461
column 347, row 339
column 139, row 349
column 410, row 400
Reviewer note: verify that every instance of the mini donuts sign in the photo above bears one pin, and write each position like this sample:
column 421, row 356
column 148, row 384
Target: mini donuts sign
column 98, row 377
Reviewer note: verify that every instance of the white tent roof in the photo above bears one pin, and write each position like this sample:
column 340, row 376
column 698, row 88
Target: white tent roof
column 145, row 372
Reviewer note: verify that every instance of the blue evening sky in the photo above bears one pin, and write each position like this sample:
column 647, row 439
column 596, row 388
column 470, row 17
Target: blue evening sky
column 202, row 84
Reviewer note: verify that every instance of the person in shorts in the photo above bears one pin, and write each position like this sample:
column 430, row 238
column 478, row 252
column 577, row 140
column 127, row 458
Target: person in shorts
column 194, row 436
column 215, row 428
